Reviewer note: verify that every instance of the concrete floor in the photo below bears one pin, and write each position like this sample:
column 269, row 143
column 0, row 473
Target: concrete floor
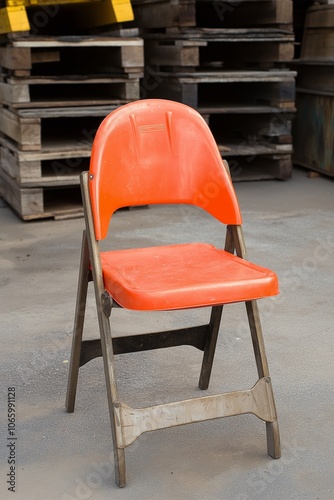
column 289, row 226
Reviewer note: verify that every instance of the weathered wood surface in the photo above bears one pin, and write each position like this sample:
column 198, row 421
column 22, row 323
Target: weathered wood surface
column 60, row 91
column 38, row 203
column 162, row 14
column 258, row 400
column 46, row 129
column 316, row 76
column 318, row 39
column 219, row 88
column 314, row 120
column 227, row 52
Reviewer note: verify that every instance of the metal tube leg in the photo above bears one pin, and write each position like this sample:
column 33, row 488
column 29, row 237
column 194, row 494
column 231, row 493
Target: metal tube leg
column 78, row 326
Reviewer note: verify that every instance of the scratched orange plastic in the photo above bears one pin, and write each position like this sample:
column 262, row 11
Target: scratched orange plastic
column 158, row 151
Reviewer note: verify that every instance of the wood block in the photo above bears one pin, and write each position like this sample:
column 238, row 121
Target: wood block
column 164, row 14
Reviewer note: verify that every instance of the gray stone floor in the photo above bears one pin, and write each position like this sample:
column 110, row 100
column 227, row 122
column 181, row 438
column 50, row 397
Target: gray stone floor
column 289, row 226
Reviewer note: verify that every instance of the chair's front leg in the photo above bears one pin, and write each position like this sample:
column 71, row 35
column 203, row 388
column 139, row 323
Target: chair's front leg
column 210, row 347
column 273, row 437
column 112, row 392
column 78, row 326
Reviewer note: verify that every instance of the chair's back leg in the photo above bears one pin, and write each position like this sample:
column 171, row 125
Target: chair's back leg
column 78, row 326
column 112, row 392
column 216, row 314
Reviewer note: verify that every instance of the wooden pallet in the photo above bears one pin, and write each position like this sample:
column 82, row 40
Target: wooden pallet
column 252, row 133
column 234, row 13
column 255, row 168
column 44, row 169
column 219, row 48
column 72, row 55
column 61, row 92
column 52, row 129
column 39, row 202
column 202, row 89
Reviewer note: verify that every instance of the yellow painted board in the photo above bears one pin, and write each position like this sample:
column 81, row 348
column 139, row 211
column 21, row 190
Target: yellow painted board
column 13, row 19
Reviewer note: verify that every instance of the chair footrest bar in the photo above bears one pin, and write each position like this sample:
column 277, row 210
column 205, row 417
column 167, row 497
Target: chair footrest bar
column 194, row 336
column 258, row 400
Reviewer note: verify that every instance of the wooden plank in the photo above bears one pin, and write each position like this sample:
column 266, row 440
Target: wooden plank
column 76, row 41
column 45, row 56
column 238, row 108
column 251, row 149
column 14, row 93
column 171, row 54
column 320, row 16
column 204, row 35
column 13, row 58
column 318, row 45
column 317, row 35
column 229, row 76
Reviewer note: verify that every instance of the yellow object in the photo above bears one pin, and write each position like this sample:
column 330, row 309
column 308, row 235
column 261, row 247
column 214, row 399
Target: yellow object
column 92, row 13
column 13, row 19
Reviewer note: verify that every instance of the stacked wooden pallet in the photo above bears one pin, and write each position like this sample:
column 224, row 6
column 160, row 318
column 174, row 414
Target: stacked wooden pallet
column 54, row 92
column 315, row 92
column 229, row 60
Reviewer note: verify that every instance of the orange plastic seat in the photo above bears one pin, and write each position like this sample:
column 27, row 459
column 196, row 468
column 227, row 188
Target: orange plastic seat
column 162, row 152
column 183, row 276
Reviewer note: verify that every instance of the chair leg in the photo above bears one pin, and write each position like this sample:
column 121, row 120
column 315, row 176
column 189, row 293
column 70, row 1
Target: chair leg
column 273, row 438
column 78, row 326
column 210, row 347
column 113, row 398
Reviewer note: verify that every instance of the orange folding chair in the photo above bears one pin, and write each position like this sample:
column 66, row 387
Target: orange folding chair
column 162, row 152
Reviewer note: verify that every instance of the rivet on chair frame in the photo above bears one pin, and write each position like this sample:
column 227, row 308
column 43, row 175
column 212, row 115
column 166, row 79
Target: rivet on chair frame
column 106, row 303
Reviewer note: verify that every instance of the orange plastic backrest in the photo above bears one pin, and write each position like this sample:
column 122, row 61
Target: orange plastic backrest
column 156, row 151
